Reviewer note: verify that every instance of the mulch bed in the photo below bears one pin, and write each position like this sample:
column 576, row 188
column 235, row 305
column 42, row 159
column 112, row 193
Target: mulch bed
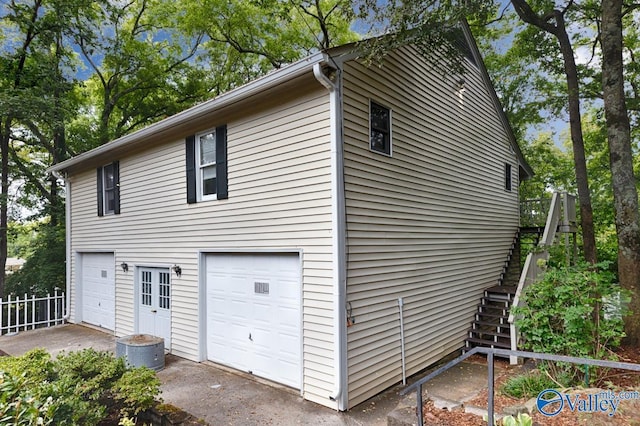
column 627, row 414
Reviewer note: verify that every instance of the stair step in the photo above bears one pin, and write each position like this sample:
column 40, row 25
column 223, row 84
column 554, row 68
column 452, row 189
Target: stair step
column 490, row 315
column 482, row 308
column 502, row 289
column 489, row 324
column 490, row 343
column 496, row 299
column 494, row 333
column 532, row 230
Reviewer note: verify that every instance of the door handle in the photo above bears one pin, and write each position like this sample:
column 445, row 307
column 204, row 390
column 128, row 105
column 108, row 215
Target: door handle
column 153, row 311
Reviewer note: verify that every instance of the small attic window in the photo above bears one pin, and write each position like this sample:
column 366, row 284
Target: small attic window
column 380, row 128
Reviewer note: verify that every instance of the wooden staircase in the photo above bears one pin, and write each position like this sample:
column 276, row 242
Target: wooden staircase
column 490, row 327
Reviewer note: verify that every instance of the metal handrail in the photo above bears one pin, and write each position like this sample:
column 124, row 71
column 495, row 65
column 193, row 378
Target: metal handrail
column 491, row 353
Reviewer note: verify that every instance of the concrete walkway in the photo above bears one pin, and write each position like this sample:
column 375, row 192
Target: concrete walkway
column 220, row 396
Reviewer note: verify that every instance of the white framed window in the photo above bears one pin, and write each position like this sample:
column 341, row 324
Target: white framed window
column 206, row 165
column 379, row 128
column 108, row 179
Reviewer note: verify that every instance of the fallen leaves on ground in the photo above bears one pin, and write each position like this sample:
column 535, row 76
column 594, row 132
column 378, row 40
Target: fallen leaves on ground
column 628, row 413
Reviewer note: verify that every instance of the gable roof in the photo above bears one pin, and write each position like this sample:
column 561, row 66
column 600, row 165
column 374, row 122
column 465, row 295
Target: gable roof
column 330, row 57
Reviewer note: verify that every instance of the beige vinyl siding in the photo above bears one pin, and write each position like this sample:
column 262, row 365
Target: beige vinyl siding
column 279, row 198
column 431, row 224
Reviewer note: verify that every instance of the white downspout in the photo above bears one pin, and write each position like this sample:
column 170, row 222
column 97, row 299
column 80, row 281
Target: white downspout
column 338, row 219
column 67, row 238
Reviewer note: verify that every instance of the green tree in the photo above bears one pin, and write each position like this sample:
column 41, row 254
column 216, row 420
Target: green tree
column 141, row 70
column 44, row 270
column 553, row 168
column 267, row 34
column 553, row 21
column 625, row 194
column 34, row 96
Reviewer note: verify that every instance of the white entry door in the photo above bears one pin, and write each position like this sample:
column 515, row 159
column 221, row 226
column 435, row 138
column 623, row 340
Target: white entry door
column 253, row 310
column 154, row 303
column 98, row 289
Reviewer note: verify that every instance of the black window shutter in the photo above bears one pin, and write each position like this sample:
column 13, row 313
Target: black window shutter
column 99, row 186
column 222, row 191
column 191, row 169
column 116, row 186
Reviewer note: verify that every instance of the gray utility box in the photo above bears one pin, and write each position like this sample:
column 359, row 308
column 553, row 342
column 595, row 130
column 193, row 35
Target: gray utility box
column 141, row 350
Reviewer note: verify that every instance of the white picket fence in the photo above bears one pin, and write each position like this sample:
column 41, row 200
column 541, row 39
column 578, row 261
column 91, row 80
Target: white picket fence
column 18, row 314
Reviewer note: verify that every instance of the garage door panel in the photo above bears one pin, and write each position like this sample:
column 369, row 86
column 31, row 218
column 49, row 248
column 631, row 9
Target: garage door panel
column 289, row 341
column 256, row 298
column 287, row 315
column 262, row 312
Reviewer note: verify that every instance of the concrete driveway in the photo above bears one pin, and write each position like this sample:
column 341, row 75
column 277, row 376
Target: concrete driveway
column 216, row 395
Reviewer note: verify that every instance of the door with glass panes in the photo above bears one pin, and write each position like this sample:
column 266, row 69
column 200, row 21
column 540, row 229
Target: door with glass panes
column 154, row 303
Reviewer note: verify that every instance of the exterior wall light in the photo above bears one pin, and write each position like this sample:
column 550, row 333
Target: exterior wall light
column 177, row 270
column 124, row 266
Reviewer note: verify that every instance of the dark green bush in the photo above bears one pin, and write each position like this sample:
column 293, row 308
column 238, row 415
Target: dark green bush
column 573, row 311
column 78, row 388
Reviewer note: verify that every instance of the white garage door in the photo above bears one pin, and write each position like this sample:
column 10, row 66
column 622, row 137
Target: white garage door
column 98, row 289
column 253, row 314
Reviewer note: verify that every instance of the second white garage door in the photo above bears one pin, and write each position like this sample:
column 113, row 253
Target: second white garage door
column 253, row 314
column 98, row 289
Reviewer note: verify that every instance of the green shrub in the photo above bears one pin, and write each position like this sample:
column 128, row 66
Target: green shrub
column 527, row 385
column 35, row 366
column 93, row 372
column 18, row 406
column 136, row 390
column 574, row 311
column 78, row 388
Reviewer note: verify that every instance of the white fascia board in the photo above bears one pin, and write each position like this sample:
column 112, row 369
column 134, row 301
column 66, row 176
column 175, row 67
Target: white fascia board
column 259, row 85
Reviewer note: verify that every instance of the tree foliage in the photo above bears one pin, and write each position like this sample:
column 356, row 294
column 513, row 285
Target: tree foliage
column 44, row 270
column 75, row 74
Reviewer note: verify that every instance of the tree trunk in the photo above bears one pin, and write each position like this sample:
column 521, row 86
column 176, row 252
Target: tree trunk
column 56, row 212
column 625, row 195
column 553, row 23
column 4, row 199
column 577, row 142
